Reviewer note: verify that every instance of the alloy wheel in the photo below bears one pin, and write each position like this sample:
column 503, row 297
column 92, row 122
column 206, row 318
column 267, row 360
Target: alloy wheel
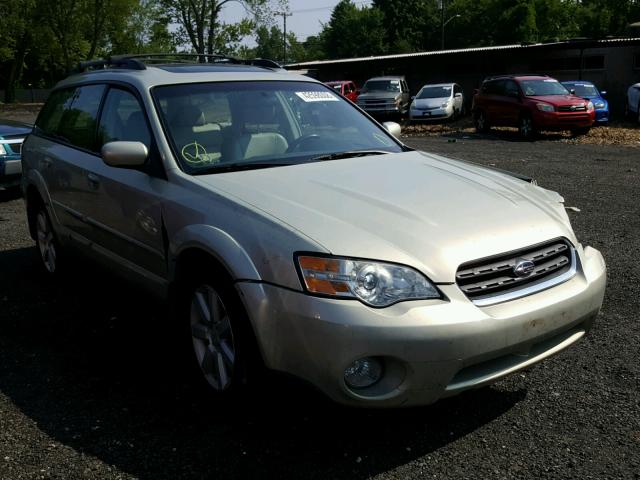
column 46, row 242
column 212, row 335
column 526, row 127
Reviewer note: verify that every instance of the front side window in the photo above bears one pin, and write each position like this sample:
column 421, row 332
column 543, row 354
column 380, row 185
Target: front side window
column 511, row 88
column 537, row 88
column 48, row 121
column 123, row 119
column 434, row 92
column 231, row 125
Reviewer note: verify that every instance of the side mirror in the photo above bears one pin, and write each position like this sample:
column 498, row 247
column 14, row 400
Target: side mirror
column 572, row 91
column 603, row 93
column 513, row 94
column 458, row 95
column 393, row 128
column 413, row 97
column 124, row 154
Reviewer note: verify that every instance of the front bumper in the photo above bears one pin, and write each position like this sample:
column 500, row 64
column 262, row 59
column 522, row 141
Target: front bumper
column 435, row 114
column 10, row 171
column 430, row 349
column 563, row 121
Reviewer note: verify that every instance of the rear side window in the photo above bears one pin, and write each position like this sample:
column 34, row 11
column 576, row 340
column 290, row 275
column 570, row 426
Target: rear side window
column 71, row 115
column 123, row 119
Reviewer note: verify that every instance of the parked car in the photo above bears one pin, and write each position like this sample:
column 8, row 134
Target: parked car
column 632, row 103
column 439, row 101
column 288, row 229
column 531, row 103
column 385, row 96
column 589, row 91
column 12, row 134
column 346, row 88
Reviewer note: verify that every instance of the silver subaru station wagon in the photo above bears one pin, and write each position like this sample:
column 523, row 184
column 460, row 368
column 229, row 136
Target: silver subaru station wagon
column 292, row 231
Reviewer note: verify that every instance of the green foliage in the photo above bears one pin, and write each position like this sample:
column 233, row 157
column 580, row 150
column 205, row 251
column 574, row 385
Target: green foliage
column 354, row 31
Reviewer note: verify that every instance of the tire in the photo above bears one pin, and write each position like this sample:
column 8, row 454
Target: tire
column 220, row 346
column 526, row 129
column 51, row 254
column 480, row 121
column 580, row 131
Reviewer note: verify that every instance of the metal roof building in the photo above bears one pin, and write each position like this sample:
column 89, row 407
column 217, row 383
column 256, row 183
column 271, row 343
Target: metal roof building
column 612, row 64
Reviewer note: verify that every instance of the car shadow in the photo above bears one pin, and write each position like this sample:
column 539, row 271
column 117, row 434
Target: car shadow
column 507, row 135
column 91, row 362
column 9, row 194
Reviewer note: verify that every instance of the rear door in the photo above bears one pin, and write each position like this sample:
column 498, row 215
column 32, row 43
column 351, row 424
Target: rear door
column 65, row 150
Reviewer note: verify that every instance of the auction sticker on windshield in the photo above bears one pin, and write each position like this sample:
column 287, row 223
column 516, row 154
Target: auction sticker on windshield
column 317, row 96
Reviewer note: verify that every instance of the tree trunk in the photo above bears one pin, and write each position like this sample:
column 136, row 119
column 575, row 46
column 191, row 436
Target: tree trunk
column 15, row 72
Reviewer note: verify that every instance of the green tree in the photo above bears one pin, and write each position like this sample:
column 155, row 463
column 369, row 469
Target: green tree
column 410, row 25
column 354, row 32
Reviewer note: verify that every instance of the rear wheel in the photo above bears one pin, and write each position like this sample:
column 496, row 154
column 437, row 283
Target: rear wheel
column 526, row 128
column 480, row 120
column 46, row 242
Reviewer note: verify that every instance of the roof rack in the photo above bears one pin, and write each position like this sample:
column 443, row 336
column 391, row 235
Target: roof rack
column 135, row 61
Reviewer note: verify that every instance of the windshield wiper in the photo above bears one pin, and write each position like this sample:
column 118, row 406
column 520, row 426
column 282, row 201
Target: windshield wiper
column 348, row 154
column 236, row 167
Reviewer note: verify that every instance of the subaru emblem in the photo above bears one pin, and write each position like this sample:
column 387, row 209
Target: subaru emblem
column 523, row 267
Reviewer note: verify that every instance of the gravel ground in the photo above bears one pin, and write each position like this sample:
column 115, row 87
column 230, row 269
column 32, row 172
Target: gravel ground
column 87, row 388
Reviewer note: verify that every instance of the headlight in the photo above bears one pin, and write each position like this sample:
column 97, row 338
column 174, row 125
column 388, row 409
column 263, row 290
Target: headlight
column 445, row 104
column 590, row 106
column 374, row 283
column 545, row 107
column 2, row 150
column 599, row 104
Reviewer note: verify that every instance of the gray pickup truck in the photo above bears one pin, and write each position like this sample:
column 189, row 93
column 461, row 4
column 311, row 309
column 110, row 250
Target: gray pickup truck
column 385, row 96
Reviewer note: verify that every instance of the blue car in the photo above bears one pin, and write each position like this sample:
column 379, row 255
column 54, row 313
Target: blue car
column 12, row 134
column 588, row 91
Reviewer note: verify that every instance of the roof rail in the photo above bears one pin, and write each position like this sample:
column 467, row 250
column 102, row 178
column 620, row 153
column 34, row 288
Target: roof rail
column 511, row 75
column 138, row 61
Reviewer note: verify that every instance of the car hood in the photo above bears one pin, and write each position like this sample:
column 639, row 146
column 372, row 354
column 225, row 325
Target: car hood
column 411, row 208
column 10, row 127
column 379, row 95
column 430, row 102
column 560, row 100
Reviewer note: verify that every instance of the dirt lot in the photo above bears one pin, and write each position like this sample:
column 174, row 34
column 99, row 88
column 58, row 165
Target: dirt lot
column 87, row 387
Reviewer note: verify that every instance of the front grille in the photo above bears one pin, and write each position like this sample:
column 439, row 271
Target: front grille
column 572, row 108
column 492, row 280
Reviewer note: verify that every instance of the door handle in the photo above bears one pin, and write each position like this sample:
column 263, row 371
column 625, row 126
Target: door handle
column 93, row 179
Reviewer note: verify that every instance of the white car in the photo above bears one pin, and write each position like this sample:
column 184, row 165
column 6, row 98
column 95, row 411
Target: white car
column 632, row 107
column 440, row 101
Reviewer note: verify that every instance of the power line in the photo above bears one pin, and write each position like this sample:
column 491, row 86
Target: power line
column 317, row 9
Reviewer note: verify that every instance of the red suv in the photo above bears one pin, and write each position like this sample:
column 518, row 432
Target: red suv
column 346, row 88
column 531, row 103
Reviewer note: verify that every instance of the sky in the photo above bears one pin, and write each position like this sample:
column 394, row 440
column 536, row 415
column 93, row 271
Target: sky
column 306, row 19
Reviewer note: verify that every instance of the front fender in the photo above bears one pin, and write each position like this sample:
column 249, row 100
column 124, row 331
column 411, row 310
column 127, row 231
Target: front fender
column 219, row 244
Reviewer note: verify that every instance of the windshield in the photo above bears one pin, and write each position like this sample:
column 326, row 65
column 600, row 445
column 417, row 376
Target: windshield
column 583, row 89
column 538, row 88
column 434, row 92
column 224, row 126
column 382, row 86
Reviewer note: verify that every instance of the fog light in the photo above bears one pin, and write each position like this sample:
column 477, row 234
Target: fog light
column 363, row 373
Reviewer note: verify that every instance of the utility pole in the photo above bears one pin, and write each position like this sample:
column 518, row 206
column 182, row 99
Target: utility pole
column 442, row 44
column 284, row 35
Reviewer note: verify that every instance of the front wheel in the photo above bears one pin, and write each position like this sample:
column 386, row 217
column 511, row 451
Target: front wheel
column 219, row 335
column 480, row 120
column 526, row 128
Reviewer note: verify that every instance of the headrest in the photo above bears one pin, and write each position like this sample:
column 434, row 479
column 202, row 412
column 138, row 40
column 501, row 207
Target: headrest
column 190, row 116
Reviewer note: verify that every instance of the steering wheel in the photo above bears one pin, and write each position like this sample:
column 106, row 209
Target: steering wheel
column 296, row 145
